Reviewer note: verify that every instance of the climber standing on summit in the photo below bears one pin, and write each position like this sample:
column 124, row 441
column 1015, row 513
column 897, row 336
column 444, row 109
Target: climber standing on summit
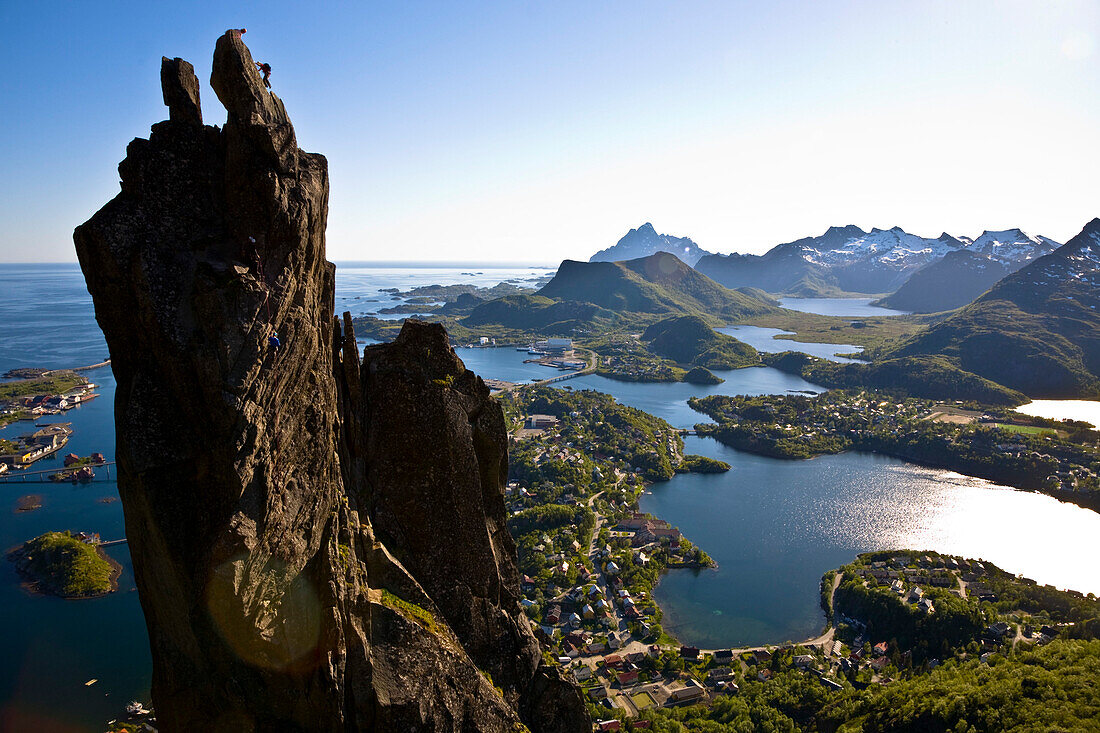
column 266, row 69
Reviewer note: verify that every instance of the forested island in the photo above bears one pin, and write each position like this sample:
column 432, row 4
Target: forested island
column 61, row 564
column 1061, row 459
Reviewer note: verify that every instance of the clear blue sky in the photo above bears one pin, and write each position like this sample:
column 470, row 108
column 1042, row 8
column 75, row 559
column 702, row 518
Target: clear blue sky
column 533, row 131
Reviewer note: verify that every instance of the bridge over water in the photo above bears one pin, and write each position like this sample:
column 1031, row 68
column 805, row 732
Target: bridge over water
column 43, row 476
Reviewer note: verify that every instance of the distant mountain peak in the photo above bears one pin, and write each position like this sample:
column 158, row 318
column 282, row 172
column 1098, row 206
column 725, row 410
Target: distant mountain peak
column 849, row 259
column 1046, row 316
column 645, row 241
column 1093, row 227
column 846, row 229
column 1012, row 246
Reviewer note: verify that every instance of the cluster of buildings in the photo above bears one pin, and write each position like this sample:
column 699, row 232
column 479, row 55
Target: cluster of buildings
column 51, row 404
column 856, row 418
column 644, row 530
column 603, row 603
column 553, row 347
column 615, row 682
column 636, row 368
column 37, row 445
column 905, row 575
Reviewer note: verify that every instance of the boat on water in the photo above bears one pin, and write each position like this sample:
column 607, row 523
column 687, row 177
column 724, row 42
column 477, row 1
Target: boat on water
column 136, row 708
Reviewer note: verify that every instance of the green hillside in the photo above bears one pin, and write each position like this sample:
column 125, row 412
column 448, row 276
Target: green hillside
column 658, row 284
column 689, row 340
column 950, row 283
column 536, row 312
column 702, row 375
column 933, row 377
column 1036, row 331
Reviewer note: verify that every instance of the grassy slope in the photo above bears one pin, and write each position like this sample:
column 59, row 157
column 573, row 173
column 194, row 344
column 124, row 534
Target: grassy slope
column 873, row 332
column 922, row 376
column 537, row 312
column 57, row 384
column 660, row 283
column 689, row 340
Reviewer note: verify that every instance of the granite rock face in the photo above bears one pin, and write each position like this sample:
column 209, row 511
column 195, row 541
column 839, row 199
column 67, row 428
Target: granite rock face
column 318, row 539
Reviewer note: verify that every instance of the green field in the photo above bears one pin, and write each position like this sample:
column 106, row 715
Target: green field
column 643, row 700
column 58, row 384
column 1026, row 429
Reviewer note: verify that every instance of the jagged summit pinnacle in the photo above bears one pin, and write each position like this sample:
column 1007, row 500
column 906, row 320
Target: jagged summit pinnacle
column 267, row 492
column 645, row 241
column 180, row 87
column 237, row 83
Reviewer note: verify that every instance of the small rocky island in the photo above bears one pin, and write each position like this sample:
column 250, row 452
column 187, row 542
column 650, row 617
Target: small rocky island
column 702, row 375
column 62, row 564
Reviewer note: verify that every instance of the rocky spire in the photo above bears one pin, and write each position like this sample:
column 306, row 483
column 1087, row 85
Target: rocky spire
column 181, row 90
column 268, row 493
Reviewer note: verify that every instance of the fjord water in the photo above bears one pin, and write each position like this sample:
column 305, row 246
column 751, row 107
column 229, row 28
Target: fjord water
column 774, row 526
column 768, row 341
column 839, row 307
column 1083, row 410
column 51, row 647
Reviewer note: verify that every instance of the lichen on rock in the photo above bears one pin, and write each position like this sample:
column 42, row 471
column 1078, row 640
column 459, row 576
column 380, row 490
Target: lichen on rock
column 318, row 539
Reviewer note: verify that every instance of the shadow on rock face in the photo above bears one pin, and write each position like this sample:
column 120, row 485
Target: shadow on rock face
column 319, row 541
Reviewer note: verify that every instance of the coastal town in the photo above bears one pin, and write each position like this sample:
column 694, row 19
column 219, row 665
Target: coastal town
column 47, row 393
column 590, row 560
column 893, row 616
column 38, row 393
column 997, row 444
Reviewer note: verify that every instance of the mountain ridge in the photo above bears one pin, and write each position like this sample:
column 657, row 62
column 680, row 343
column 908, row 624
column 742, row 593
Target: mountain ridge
column 645, row 241
column 1036, row 331
column 951, row 282
column 659, row 283
column 848, row 259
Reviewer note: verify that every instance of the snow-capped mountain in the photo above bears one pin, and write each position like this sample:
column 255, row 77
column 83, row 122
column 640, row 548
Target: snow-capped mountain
column 963, row 274
column 892, row 247
column 1074, row 266
column 852, row 260
column 645, row 241
column 1012, row 246
column 1037, row 330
